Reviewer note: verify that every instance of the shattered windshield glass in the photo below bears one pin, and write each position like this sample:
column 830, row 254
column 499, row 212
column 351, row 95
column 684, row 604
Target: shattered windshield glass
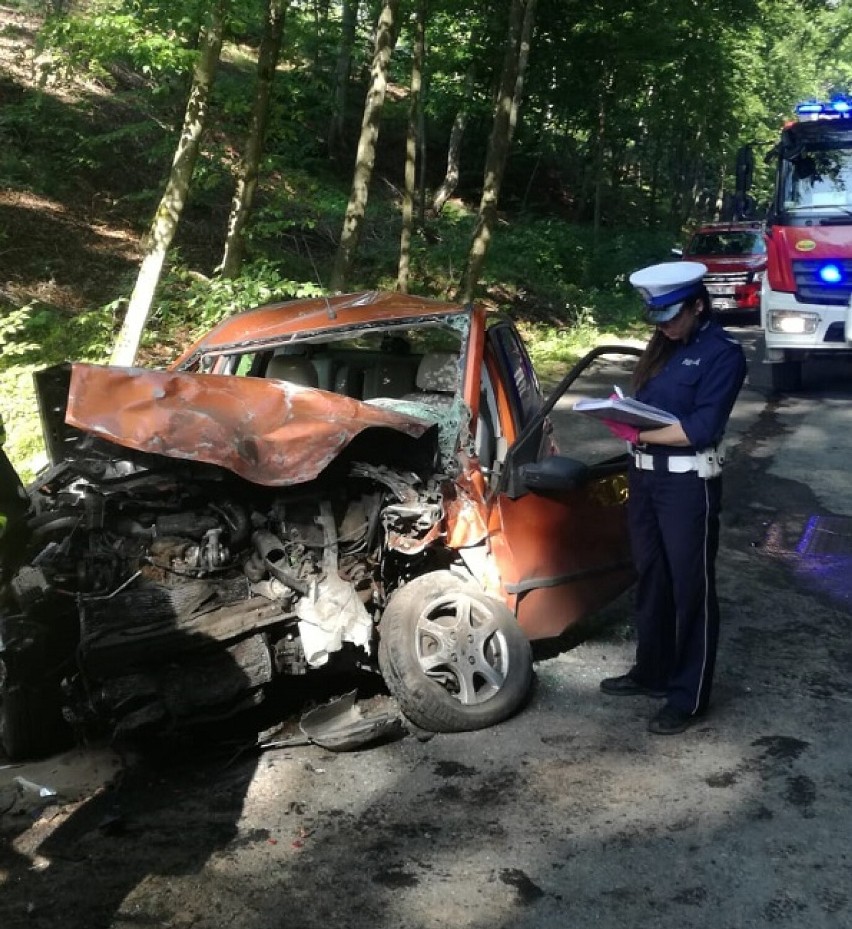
column 413, row 367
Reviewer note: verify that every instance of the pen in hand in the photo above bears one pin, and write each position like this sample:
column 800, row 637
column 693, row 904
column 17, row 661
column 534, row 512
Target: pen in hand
column 618, row 391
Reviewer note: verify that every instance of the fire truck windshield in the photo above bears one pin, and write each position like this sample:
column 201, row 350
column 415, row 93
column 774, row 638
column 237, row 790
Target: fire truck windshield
column 817, row 180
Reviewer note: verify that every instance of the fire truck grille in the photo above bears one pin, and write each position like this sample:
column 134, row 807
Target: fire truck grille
column 810, row 288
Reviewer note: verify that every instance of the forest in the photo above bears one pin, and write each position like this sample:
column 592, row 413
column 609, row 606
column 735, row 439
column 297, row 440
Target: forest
column 165, row 165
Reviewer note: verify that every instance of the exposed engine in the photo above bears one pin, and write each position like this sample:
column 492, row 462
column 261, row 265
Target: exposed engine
column 158, row 594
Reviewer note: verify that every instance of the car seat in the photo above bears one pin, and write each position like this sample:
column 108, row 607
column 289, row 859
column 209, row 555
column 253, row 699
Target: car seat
column 437, row 373
column 390, row 377
column 293, row 368
column 436, row 380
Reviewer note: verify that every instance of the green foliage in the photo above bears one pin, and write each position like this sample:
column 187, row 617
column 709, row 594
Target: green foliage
column 152, row 39
column 19, row 410
column 41, row 334
column 31, row 338
column 554, row 350
column 191, row 304
column 297, row 216
column 51, row 145
column 32, row 123
column 632, row 117
column 552, row 249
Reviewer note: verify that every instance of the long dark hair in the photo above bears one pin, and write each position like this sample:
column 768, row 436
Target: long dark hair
column 660, row 348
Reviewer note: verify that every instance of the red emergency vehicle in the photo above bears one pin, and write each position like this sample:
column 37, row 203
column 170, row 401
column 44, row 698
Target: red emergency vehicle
column 805, row 295
column 735, row 256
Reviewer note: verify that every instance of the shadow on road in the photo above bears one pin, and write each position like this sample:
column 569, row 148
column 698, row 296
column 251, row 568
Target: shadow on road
column 168, row 806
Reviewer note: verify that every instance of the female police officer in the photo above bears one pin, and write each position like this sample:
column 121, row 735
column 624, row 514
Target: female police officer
column 693, row 369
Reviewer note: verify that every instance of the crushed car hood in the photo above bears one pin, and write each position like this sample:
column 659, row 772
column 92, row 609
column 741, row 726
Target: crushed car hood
column 269, row 432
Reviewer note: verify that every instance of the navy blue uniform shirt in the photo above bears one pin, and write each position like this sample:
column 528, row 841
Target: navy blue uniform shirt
column 699, row 384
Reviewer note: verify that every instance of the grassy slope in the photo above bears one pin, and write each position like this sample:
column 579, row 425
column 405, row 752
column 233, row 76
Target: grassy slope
column 80, row 167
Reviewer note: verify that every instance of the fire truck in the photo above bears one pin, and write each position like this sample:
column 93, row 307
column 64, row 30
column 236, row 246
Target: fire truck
column 805, row 310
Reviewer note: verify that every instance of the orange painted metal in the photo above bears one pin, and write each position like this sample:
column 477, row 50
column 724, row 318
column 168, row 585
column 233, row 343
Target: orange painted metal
column 501, row 396
column 269, row 432
column 467, row 505
column 561, row 557
column 473, row 367
column 553, row 558
column 269, row 323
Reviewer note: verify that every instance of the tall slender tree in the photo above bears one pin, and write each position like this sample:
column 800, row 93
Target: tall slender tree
column 451, row 176
column 521, row 21
column 249, row 169
column 340, row 92
column 386, row 35
column 412, row 146
column 160, row 235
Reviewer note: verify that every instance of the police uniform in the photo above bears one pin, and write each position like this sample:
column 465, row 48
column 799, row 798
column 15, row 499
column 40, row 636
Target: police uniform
column 673, row 510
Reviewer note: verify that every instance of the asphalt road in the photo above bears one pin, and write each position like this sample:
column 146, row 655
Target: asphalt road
column 570, row 814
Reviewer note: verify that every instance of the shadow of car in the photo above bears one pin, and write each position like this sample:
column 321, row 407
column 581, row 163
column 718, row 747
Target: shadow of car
column 367, row 481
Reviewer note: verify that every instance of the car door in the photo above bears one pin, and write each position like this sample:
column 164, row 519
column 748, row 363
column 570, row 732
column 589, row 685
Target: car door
column 558, row 522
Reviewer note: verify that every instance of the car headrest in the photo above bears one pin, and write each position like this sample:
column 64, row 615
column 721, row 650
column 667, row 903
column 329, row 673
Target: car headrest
column 438, row 372
column 292, row 368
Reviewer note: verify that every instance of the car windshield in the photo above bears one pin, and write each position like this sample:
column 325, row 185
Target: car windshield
column 727, row 243
column 819, row 180
column 410, row 369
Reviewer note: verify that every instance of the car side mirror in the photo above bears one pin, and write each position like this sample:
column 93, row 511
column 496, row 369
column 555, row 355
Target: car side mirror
column 553, row 474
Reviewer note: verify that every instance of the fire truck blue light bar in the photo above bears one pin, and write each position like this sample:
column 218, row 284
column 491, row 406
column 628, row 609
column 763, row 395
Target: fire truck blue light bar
column 837, row 107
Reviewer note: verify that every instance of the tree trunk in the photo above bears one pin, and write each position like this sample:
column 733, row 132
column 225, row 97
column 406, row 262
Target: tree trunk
column 321, row 10
column 521, row 19
column 451, row 177
column 267, row 61
column 353, row 221
column 698, row 174
column 652, row 190
column 600, row 157
column 523, row 61
column 341, row 76
column 421, row 143
column 720, row 194
column 411, row 148
column 168, row 213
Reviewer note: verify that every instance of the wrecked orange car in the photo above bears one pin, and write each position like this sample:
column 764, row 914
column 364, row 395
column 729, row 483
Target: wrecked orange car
column 367, row 481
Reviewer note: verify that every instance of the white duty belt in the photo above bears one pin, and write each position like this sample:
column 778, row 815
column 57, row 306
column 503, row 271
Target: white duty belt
column 674, row 464
column 707, row 463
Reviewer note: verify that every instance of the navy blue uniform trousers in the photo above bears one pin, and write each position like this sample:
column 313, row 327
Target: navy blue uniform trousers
column 674, row 536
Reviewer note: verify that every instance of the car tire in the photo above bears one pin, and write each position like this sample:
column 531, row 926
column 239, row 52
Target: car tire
column 454, row 658
column 31, row 722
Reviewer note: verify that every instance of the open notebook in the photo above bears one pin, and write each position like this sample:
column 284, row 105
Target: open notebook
column 625, row 410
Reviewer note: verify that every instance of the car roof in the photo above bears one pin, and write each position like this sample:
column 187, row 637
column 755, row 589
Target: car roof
column 273, row 321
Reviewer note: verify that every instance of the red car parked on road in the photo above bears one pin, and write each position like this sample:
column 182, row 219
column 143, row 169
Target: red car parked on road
column 735, row 256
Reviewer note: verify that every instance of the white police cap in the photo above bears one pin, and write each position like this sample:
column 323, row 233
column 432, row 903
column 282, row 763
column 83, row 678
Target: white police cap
column 664, row 287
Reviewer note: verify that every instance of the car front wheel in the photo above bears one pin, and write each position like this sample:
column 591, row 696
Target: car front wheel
column 454, row 659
